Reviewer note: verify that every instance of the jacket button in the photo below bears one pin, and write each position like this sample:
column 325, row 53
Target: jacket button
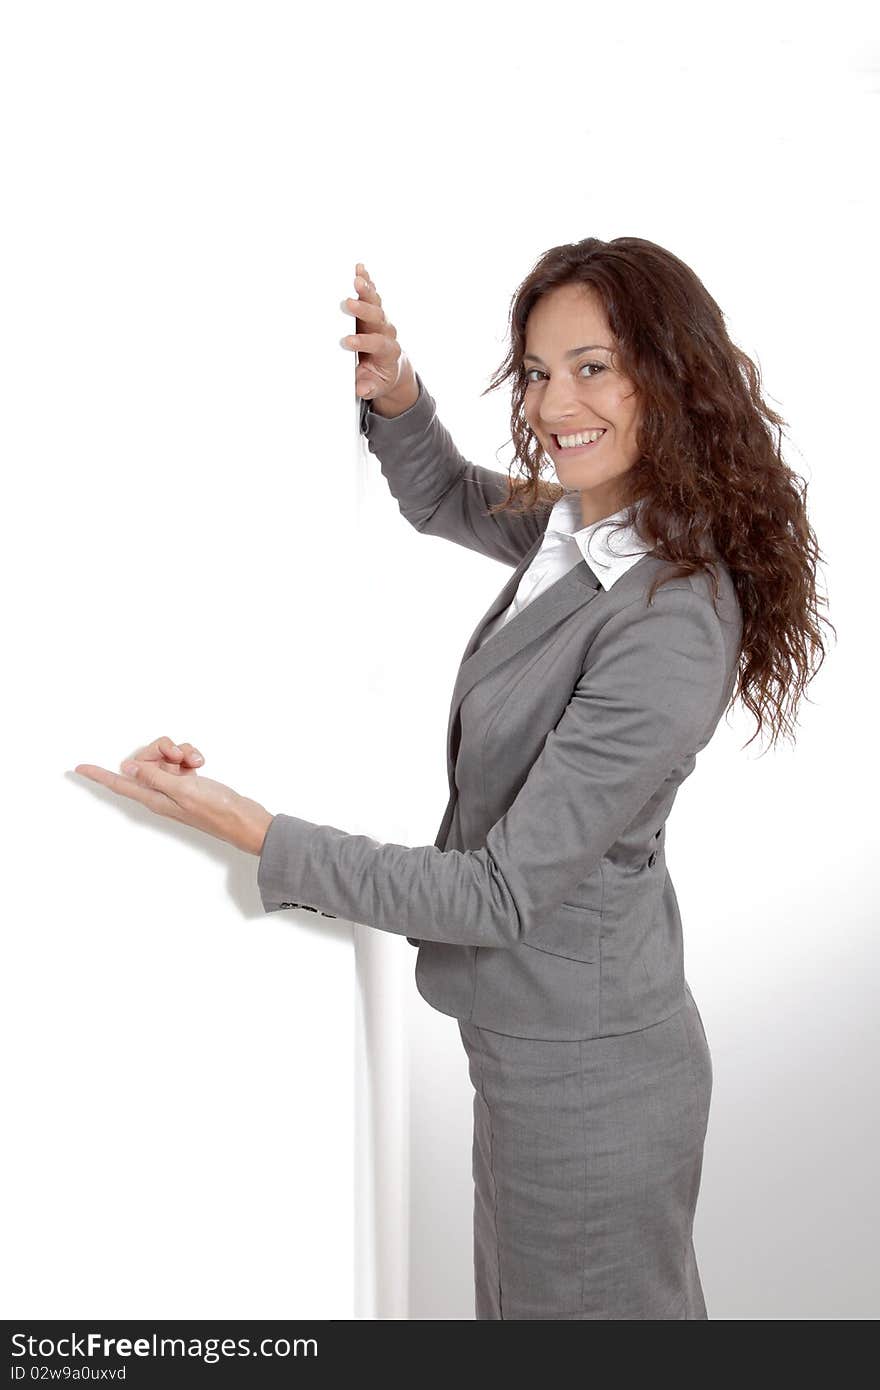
column 652, row 860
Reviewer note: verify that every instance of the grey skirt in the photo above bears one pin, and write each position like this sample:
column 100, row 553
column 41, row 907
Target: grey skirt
column 587, row 1157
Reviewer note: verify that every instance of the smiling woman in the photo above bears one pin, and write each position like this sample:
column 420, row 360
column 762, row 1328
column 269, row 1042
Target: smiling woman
column 544, row 914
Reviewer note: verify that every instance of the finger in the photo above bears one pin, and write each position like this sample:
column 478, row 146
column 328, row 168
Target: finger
column 367, row 290
column 163, row 747
column 369, row 342
column 168, row 784
column 142, row 788
column 150, row 774
column 192, row 755
column 363, row 309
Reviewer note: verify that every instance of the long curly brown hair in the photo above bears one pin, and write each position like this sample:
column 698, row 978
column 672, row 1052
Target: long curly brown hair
column 709, row 473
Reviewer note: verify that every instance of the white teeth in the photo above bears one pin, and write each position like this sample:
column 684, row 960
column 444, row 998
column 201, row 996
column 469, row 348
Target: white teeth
column 573, row 441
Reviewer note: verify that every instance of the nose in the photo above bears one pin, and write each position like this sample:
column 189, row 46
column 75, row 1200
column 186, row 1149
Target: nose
column 560, row 406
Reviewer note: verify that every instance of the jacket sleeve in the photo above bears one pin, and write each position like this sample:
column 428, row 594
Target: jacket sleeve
column 438, row 491
column 649, row 696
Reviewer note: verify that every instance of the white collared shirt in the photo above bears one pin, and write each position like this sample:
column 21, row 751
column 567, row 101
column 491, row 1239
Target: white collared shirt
column 565, row 544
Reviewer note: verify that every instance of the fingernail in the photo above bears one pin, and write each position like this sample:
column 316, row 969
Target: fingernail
column 197, row 758
column 130, row 768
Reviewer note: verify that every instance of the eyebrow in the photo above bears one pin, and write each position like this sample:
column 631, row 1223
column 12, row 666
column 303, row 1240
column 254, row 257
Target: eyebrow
column 530, row 356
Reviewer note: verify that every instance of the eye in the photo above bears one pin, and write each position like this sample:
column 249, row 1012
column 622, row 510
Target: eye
column 599, row 366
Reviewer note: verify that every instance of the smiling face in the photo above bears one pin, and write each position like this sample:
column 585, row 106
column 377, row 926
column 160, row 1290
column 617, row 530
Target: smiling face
column 574, row 385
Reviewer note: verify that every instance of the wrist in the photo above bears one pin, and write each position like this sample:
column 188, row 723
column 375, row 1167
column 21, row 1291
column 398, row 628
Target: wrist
column 403, row 397
column 253, row 831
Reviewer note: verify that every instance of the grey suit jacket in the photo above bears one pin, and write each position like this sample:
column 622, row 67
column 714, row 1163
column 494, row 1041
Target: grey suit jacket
column 544, row 908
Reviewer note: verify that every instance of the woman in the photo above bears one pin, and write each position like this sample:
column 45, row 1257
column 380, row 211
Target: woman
column 670, row 569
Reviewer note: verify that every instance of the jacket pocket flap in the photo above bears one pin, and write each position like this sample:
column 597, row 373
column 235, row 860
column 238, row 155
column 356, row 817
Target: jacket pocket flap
column 573, row 932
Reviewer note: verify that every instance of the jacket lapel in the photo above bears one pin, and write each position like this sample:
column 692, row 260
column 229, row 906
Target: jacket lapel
column 573, row 589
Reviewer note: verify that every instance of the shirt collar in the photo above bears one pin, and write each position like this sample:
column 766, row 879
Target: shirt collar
column 602, row 549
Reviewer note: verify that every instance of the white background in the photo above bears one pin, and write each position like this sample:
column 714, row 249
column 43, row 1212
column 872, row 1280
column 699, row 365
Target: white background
column 196, row 545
